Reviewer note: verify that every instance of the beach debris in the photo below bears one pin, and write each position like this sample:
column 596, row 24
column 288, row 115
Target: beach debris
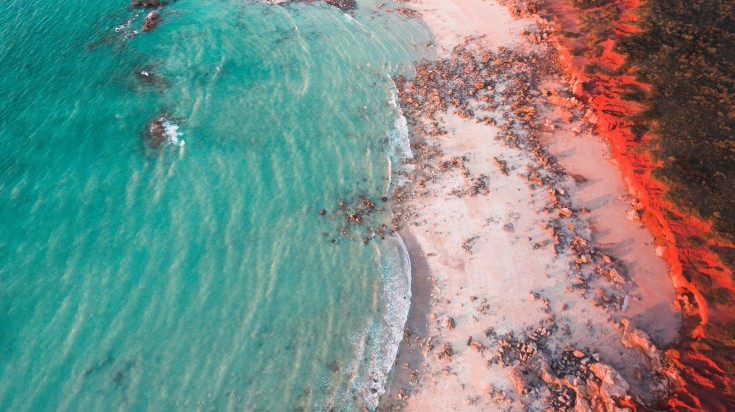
column 469, row 243
column 446, row 352
column 478, row 186
column 502, row 165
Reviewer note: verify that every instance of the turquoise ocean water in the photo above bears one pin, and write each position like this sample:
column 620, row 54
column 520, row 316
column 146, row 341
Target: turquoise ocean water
column 199, row 276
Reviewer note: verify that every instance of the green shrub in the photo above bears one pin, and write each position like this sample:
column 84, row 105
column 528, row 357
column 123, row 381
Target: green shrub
column 695, row 241
column 598, row 24
column 633, row 95
column 720, row 296
column 587, row 4
column 687, row 53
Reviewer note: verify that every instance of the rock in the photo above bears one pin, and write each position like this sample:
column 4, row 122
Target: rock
column 565, row 212
column 477, row 346
column 518, row 379
column 565, row 115
column 410, row 13
column 613, row 385
column 344, row 5
column 615, row 276
column 446, row 352
column 582, row 405
column 148, row 77
column 636, row 338
column 151, row 21
column 150, row 3
column 577, row 89
column 632, row 215
column 539, row 365
column 548, row 124
column 591, row 117
column 155, row 132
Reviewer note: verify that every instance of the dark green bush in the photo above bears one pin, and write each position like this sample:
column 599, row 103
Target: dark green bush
column 695, row 241
column 687, row 53
column 598, row 24
column 587, row 4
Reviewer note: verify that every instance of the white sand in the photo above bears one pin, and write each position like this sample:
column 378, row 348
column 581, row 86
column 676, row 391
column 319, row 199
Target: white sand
column 489, row 287
column 605, row 195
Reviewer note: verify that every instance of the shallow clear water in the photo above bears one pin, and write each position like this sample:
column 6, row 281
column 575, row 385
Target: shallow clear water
column 198, row 276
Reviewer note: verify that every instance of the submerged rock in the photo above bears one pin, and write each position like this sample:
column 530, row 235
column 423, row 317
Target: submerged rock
column 151, row 21
column 150, row 3
column 344, row 5
column 161, row 131
column 148, row 77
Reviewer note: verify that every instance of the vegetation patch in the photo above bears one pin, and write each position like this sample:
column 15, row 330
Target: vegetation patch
column 687, row 53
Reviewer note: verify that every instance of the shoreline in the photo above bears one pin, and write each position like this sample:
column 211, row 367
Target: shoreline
column 473, row 215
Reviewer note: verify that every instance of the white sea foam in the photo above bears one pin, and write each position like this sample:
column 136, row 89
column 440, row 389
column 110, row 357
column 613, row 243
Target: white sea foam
column 388, row 333
column 125, row 28
column 172, row 133
column 400, row 144
column 378, row 346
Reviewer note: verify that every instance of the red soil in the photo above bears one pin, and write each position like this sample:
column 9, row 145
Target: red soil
column 695, row 270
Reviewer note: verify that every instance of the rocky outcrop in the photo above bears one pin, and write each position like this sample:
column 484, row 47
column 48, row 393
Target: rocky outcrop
column 151, row 21
column 636, row 338
column 153, row 18
column 160, row 131
column 608, row 394
column 150, row 3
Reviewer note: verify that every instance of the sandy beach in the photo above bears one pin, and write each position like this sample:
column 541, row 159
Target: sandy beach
column 535, row 285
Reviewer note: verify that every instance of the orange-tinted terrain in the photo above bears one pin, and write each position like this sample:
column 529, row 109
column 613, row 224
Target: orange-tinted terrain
column 704, row 359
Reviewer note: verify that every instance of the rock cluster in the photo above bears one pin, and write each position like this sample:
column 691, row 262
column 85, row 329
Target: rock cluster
column 151, row 21
column 148, row 76
column 155, row 135
column 153, row 18
column 150, row 3
column 358, row 217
